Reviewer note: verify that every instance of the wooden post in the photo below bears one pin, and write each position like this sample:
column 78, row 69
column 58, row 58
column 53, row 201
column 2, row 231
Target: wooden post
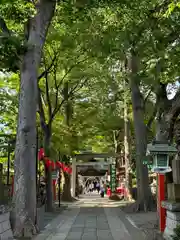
column 161, row 197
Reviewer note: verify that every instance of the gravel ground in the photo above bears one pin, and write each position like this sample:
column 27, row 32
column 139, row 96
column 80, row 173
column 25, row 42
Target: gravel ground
column 147, row 221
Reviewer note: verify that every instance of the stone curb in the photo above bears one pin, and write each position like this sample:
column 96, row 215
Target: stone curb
column 157, row 236
column 55, row 224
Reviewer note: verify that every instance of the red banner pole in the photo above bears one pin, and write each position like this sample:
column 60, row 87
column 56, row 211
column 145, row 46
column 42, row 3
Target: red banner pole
column 54, row 189
column 161, row 197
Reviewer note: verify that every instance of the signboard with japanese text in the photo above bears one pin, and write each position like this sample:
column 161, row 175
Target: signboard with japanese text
column 113, row 177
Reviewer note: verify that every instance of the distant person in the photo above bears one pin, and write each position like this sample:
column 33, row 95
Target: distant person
column 98, row 187
column 102, row 190
column 94, row 188
column 91, row 187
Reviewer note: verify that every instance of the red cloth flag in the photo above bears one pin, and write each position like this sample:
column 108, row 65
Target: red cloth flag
column 53, row 165
column 41, row 154
column 48, row 162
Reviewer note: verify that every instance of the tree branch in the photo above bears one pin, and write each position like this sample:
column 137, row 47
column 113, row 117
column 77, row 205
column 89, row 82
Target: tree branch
column 56, row 110
column 4, row 27
column 151, row 119
column 76, row 88
column 41, row 110
column 70, row 69
column 70, row 94
column 147, row 96
column 48, row 97
column 47, row 70
column 56, row 87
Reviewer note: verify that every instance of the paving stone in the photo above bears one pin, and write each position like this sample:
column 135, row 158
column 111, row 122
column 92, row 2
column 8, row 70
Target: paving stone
column 102, row 226
column 78, row 225
column 89, row 235
column 74, row 235
column 91, row 223
column 108, row 238
column 95, row 238
column 76, row 229
column 90, row 230
column 58, row 236
column 104, row 234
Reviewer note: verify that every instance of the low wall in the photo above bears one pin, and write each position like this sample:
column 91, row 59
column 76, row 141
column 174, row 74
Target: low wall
column 5, row 228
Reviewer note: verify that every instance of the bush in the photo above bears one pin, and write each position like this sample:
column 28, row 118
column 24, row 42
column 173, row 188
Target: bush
column 134, row 182
column 176, row 235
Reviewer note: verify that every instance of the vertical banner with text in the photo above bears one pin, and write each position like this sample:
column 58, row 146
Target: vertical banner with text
column 113, row 177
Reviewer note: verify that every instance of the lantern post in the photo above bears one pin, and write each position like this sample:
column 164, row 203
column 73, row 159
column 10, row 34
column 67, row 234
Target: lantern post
column 161, row 151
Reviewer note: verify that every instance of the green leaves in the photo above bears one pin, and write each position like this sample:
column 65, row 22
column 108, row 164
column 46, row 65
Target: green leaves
column 9, row 86
column 18, row 11
column 14, row 17
column 86, row 42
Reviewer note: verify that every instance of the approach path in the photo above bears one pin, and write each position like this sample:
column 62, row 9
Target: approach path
column 92, row 218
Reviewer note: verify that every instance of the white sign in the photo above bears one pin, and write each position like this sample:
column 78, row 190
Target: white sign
column 54, row 175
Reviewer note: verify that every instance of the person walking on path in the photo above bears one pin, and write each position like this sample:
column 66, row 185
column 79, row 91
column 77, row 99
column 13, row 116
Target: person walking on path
column 91, row 187
column 102, row 190
column 98, row 187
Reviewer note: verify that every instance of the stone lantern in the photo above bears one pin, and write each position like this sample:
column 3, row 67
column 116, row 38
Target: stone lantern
column 161, row 152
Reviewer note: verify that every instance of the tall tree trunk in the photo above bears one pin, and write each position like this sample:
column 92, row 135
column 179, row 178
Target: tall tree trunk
column 48, row 173
column 127, row 147
column 66, row 195
column 164, row 105
column 143, row 191
column 24, row 198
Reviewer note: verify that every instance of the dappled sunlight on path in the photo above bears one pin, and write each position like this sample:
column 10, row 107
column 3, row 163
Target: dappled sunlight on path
column 93, row 218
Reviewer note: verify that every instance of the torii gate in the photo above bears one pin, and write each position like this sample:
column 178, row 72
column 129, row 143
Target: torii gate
column 109, row 158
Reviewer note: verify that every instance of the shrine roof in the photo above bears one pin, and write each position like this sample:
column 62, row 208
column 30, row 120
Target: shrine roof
column 91, row 155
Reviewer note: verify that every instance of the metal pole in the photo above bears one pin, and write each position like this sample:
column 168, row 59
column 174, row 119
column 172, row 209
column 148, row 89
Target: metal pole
column 8, row 166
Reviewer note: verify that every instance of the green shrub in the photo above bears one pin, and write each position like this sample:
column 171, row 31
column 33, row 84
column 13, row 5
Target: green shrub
column 176, row 235
column 134, row 182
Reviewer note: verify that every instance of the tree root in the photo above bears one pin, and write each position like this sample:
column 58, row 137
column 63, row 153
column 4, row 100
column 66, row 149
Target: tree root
column 25, row 230
column 139, row 206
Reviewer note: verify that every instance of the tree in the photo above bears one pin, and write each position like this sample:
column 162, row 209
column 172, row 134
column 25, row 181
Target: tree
column 51, row 97
column 36, row 27
column 85, row 42
column 127, row 154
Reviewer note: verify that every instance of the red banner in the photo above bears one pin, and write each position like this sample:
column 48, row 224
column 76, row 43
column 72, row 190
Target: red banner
column 54, row 165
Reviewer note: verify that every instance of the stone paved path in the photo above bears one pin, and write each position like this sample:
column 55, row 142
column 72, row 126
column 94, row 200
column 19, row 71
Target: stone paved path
column 92, row 218
column 90, row 224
